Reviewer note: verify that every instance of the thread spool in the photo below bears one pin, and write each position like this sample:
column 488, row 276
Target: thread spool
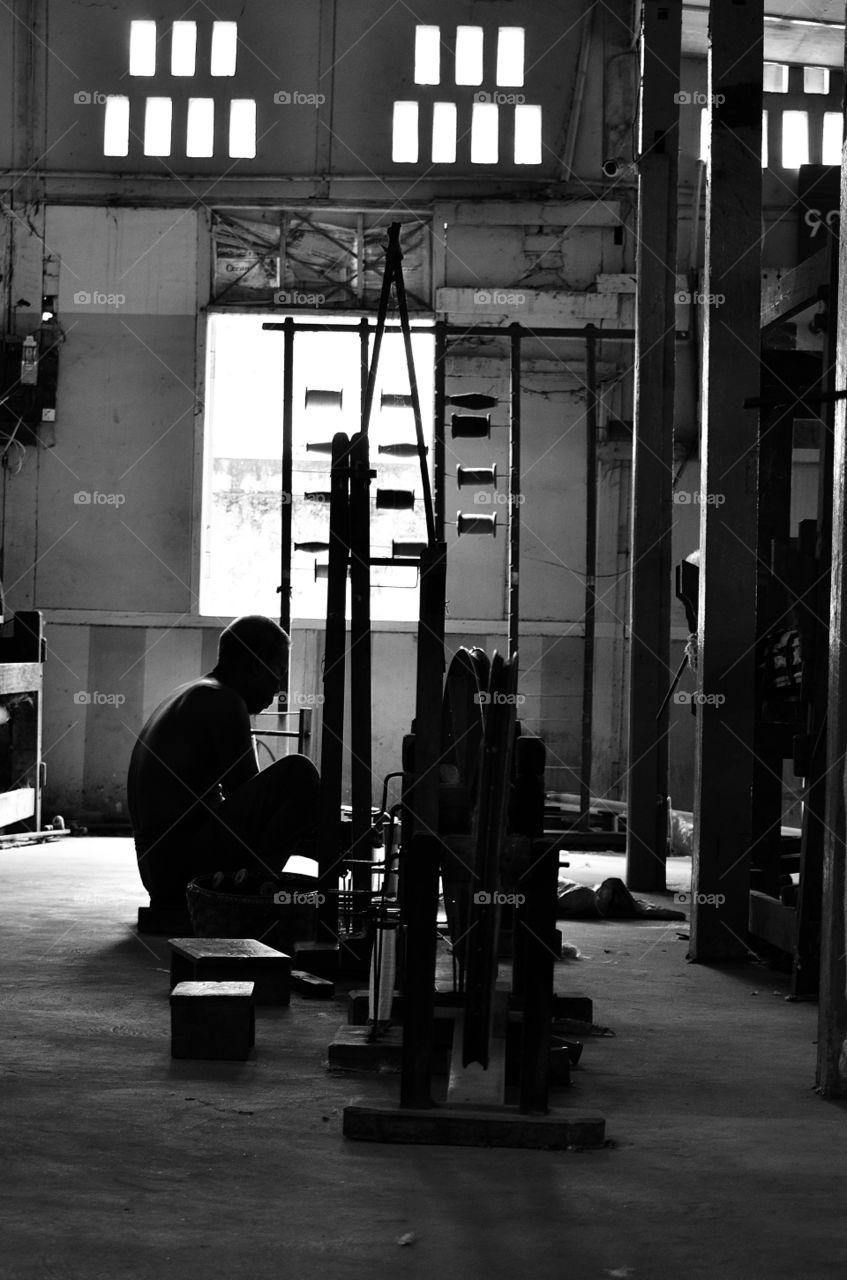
column 408, row 550
column 311, row 547
column 319, row 446
column 485, row 525
column 472, row 400
column 317, row 497
column 476, row 476
column 400, row 450
column 470, row 426
column 395, row 499
column 392, row 400
column 322, row 571
column 317, row 399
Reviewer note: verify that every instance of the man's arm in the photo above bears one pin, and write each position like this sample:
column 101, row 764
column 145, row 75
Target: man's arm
column 231, row 740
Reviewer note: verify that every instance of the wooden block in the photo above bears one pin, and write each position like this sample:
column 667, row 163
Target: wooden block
column 558, row 1130
column 353, row 1050
column 233, row 960
column 573, row 1005
column 212, row 1020
column 311, row 986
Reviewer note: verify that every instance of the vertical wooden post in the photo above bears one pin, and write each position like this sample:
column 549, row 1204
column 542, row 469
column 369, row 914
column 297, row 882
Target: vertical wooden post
column 726, row 622
column 652, row 463
column 832, row 1009
column 438, row 440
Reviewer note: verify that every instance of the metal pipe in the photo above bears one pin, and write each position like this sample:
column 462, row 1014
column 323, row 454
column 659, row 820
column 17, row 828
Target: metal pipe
column 286, row 513
column 590, row 576
column 514, row 611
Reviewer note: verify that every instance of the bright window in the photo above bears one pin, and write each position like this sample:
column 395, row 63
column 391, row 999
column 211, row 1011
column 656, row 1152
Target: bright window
column 242, row 128
column 775, row 77
column 242, row 486
column 116, row 127
column 200, row 127
column 157, row 127
column 510, row 56
column 142, row 48
column 444, row 133
column 404, row 145
column 427, row 55
column 469, row 55
column 224, row 46
column 183, row 48
column 816, row 79
column 795, row 139
column 833, row 136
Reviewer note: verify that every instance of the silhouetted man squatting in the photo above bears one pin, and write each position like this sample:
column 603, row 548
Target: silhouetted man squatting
column 197, row 799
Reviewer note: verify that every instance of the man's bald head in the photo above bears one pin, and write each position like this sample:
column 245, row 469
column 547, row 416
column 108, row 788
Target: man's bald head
column 251, row 654
column 251, row 636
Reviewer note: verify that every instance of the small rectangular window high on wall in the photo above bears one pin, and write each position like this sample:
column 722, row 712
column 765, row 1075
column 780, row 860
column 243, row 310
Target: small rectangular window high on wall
column 200, row 127
column 116, row 127
column 142, row 48
column 795, row 139
column 469, row 55
column 816, row 80
column 242, row 128
column 224, row 47
column 775, row 77
column 183, row 48
column 527, row 134
column 510, row 57
column 427, row 55
column 157, row 127
column 833, row 137
column 485, row 126
column 444, row 117
column 764, row 140
column 404, row 140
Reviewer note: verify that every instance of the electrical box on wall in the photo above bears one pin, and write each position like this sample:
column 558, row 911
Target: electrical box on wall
column 29, row 374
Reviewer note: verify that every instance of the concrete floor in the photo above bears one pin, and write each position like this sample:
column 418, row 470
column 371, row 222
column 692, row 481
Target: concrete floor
column 121, row 1162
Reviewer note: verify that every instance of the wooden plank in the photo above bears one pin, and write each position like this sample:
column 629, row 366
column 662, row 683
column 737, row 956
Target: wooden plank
column 20, row 677
column 796, row 289
column 16, row 805
column 516, row 304
column 726, row 633
column 558, row 1130
column 650, row 580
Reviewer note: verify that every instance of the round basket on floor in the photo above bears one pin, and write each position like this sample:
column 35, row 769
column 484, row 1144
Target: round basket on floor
column 240, row 915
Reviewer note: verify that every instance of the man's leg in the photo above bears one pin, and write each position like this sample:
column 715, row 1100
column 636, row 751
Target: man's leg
column 269, row 818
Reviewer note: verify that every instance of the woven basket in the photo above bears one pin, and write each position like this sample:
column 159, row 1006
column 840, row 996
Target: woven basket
column 232, row 915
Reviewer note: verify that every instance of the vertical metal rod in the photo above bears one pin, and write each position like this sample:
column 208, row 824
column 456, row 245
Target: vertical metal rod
column 361, row 781
column 332, row 730
column 514, row 607
column 286, row 512
column 590, row 574
column 440, row 403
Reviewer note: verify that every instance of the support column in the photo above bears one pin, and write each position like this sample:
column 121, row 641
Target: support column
column 652, row 462
column 832, row 1014
column 726, row 623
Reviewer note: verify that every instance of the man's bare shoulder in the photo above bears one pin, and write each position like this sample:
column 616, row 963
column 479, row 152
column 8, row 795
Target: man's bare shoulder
column 204, row 695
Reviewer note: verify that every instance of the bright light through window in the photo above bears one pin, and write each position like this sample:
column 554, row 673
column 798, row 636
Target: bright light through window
column 200, row 129
column 142, row 48
column 527, row 134
column 242, row 128
column 765, row 157
column 795, row 139
column 224, row 45
column 510, row 56
column 469, row 55
column 484, row 133
column 157, row 127
column 183, row 48
column 444, row 133
column 242, row 488
column 816, row 79
column 404, row 145
column 833, row 136
column 775, row 77
column 704, row 133
column 427, row 55
column 116, row 127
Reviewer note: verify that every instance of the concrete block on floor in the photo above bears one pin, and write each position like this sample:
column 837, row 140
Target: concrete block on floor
column 311, row 986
